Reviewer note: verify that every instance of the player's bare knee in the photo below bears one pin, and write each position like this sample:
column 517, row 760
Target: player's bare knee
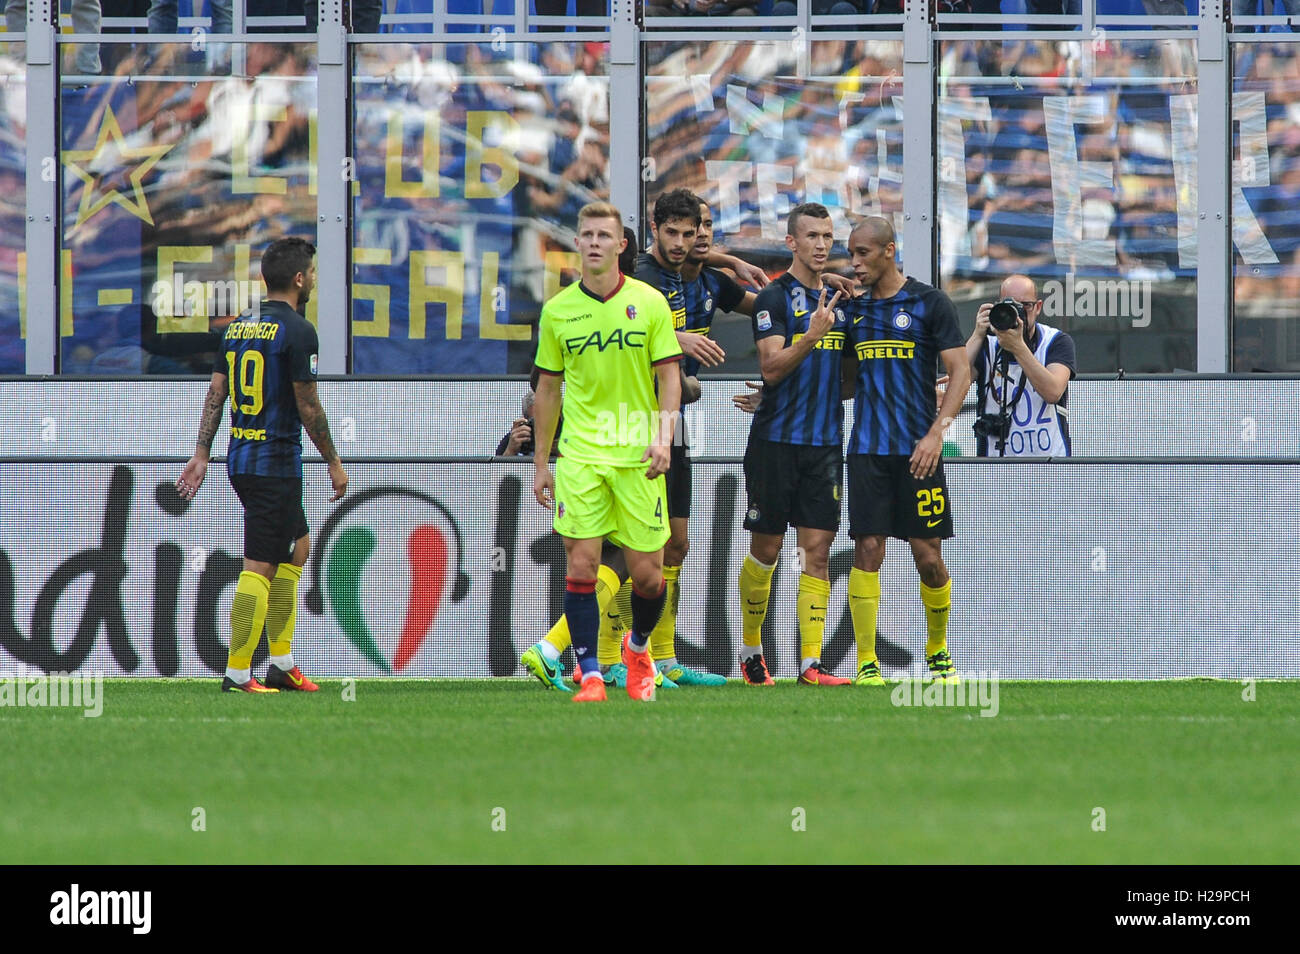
column 932, row 570
column 582, row 566
column 815, row 562
column 766, row 552
column 648, row 581
column 869, row 554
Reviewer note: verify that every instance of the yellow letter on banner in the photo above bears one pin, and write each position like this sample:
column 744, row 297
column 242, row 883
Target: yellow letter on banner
column 451, row 291
column 376, row 326
column 65, row 297
column 313, row 161
column 488, row 325
column 477, row 122
column 556, row 264
column 242, row 181
column 168, row 256
column 395, row 187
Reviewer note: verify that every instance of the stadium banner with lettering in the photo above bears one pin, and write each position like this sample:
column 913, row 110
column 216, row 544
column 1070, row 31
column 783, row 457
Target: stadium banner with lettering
column 468, row 165
column 450, row 569
column 1071, row 162
column 175, row 171
column 472, row 161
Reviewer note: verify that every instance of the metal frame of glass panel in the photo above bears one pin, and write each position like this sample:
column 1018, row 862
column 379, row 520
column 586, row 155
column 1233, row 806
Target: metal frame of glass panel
column 919, row 27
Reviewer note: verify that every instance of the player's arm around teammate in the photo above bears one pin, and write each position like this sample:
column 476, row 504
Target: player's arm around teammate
column 896, row 481
column 794, row 458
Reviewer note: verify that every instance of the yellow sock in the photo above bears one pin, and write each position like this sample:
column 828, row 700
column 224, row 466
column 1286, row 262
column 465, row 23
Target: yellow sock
column 937, row 602
column 663, row 637
column 618, row 620
column 755, row 591
column 606, row 587
column 282, row 609
column 247, row 617
column 864, row 605
column 624, row 601
column 812, row 601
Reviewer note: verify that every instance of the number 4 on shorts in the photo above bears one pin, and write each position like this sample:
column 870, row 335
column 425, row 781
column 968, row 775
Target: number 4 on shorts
column 659, row 509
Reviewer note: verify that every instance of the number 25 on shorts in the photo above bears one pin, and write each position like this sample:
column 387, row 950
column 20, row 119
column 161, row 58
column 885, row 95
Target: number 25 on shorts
column 930, row 502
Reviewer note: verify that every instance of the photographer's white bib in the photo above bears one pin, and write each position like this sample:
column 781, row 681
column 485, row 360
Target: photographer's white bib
column 1038, row 429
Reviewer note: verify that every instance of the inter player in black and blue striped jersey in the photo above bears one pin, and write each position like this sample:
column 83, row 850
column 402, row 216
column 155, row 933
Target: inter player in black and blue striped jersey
column 793, row 462
column 674, row 224
column 267, row 366
column 900, row 330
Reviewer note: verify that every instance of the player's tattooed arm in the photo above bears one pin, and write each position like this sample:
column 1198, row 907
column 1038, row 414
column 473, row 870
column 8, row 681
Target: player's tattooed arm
column 318, row 429
column 196, row 469
column 314, row 420
column 213, row 405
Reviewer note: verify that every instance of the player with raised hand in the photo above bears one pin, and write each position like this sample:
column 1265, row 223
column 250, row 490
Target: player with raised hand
column 793, row 462
column 901, row 329
column 610, row 339
column 267, row 366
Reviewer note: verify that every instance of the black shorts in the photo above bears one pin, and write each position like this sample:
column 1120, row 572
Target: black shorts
column 792, row 485
column 273, row 515
column 886, row 500
column 679, row 482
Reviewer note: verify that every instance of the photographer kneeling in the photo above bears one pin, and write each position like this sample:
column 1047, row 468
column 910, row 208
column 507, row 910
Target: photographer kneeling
column 1022, row 373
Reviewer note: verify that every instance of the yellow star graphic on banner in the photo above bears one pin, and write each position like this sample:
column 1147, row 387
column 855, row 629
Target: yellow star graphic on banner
column 110, row 152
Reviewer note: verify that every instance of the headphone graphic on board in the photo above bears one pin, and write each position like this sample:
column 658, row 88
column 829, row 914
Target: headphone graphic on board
column 316, row 602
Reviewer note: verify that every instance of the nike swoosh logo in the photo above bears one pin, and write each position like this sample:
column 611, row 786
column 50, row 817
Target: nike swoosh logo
column 859, row 318
column 934, row 523
column 800, row 314
column 755, row 602
column 817, row 607
column 296, row 680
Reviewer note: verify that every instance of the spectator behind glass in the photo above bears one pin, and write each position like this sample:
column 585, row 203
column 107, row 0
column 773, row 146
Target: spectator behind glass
column 164, row 15
column 85, row 19
column 275, row 8
column 821, row 8
column 1250, row 8
column 559, row 8
column 703, row 8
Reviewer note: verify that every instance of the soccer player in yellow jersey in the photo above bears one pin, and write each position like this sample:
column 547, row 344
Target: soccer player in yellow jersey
column 610, row 339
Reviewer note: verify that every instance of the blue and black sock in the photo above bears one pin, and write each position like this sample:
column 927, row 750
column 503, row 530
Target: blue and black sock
column 646, row 611
column 584, row 621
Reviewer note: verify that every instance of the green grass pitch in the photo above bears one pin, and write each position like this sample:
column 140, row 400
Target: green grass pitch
column 1186, row 772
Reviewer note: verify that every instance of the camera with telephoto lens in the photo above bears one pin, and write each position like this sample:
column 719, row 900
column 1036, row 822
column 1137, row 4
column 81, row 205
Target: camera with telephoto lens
column 1003, row 315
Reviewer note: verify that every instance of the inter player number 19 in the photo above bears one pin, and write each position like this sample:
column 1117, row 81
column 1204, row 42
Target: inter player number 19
column 248, row 381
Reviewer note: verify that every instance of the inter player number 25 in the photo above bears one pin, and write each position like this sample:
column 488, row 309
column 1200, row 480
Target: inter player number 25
column 247, row 383
column 930, row 503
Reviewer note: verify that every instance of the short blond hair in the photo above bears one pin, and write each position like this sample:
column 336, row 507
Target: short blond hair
column 600, row 210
